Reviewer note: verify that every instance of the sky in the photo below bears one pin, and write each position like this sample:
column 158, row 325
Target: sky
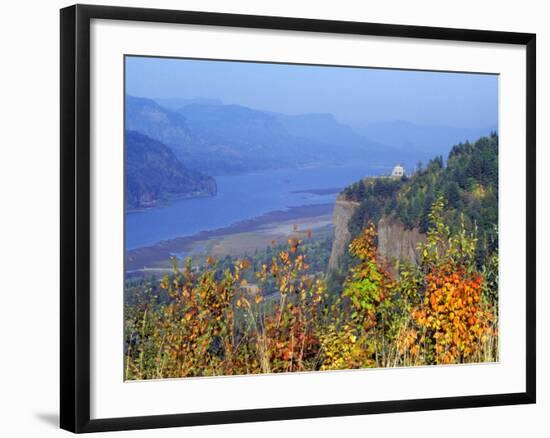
column 356, row 96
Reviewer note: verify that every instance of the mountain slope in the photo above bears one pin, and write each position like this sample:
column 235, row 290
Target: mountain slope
column 154, row 174
column 255, row 139
column 266, row 139
column 222, row 139
column 324, row 128
column 168, row 127
column 175, row 103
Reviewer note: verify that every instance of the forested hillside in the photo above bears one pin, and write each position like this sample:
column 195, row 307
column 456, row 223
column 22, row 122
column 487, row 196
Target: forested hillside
column 154, row 174
column 468, row 182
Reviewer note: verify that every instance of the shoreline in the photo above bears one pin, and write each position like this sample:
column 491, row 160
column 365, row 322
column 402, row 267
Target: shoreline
column 151, row 256
column 166, row 202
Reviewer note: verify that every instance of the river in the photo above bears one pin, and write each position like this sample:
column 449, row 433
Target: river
column 242, row 197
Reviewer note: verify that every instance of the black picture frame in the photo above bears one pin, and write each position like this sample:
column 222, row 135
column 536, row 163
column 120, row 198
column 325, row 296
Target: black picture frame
column 75, row 217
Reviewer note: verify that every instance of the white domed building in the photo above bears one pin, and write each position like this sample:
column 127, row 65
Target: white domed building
column 398, row 171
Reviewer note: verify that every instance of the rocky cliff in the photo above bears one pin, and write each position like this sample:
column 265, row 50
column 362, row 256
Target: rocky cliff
column 395, row 241
column 343, row 210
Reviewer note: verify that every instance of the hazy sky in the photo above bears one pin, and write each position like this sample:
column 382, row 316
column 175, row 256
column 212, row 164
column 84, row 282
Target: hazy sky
column 357, row 96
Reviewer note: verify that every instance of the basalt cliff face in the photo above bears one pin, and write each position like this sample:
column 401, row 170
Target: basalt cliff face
column 395, row 241
column 343, row 211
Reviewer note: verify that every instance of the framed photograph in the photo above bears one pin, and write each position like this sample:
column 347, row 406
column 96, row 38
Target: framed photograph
column 268, row 218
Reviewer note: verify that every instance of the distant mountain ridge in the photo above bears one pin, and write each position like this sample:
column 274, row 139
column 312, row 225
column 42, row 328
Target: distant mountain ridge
column 217, row 138
column 175, row 103
column 154, row 175
column 169, row 127
column 262, row 140
column 324, row 128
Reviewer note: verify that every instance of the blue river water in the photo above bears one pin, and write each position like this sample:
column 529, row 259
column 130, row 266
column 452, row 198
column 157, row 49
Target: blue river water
column 241, row 197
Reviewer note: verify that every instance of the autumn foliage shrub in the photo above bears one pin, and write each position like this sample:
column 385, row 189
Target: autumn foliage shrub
column 457, row 316
column 453, row 316
column 212, row 321
column 213, row 325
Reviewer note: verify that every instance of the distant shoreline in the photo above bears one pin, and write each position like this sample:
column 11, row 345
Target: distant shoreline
column 166, row 202
column 162, row 251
